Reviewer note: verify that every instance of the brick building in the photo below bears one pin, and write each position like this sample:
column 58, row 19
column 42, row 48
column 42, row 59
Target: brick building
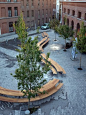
column 9, row 12
column 74, row 11
column 35, row 12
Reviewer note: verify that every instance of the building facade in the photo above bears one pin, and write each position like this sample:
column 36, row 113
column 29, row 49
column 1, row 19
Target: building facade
column 9, row 12
column 35, row 13
column 74, row 11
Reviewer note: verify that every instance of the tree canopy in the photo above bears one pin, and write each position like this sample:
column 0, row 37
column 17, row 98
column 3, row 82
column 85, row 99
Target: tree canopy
column 30, row 74
column 81, row 37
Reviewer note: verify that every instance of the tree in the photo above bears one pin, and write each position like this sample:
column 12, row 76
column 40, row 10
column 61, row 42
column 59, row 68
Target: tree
column 65, row 31
column 30, row 74
column 81, row 44
column 54, row 24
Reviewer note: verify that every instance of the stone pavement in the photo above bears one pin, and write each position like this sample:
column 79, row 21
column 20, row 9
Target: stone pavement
column 70, row 99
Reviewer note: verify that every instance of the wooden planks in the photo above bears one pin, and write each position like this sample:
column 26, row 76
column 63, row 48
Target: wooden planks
column 51, row 67
column 50, row 87
column 55, row 64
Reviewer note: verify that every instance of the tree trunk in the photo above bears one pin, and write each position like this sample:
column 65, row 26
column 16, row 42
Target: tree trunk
column 65, row 46
column 80, row 62
column 80, row 59
column 55, row 37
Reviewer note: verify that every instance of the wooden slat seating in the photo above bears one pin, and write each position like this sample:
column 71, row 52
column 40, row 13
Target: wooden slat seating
column 42, row 41
column 41, row 47
column 51, row 67
column 51, row 87
column 45, row 34
column 55, row 64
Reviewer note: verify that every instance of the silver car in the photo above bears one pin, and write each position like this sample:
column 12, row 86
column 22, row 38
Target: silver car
column 45, row 26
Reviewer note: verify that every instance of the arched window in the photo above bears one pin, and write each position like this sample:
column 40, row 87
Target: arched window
column 72, row 24
column 67, row 21
column 78, row 27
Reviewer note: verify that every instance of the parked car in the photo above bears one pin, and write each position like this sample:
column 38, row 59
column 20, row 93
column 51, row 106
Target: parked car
column 45, row 26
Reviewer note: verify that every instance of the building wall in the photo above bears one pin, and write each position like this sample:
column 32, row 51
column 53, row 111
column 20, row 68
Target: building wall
column 74, row 19
column 6, row 18
column 35, row 13
column 43, row 11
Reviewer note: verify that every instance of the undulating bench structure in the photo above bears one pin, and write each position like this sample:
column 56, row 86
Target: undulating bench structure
column 44, row 41
column 17, row 96
column 54, row 64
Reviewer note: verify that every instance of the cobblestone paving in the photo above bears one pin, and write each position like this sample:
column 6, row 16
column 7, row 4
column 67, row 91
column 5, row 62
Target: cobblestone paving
column 71, row 98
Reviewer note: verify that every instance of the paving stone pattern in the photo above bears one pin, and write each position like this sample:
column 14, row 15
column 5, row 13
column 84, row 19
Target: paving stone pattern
column 70, row 99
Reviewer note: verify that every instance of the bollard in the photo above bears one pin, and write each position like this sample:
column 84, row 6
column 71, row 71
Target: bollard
column 27, row 112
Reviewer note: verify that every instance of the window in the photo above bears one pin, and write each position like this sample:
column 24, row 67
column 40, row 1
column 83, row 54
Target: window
column 9, row 12
column 42, row 20
column 38, row 2
column 22, row 2
column 15, row 0
column 73, row 13
column 32, row 3
column 32, row 13
column 46, row 11
column 42, row 2
column 16, row 22
column 46, row 20
column 43, row 12
column 28, row 24
column 23, row 14
column 15, row 11
column 85, row 17
column 64, row 10
column 32, row 23
column 79, row 14
column 10, row 26
column 27, row 4
column 68, row 11
column 27, row 13
column 39, row 22
column 38, row 12
column 50, row 11
column 8, row 0
column 46, row 2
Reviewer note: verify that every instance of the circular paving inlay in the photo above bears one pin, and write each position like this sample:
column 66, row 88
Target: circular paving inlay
column 56, row 47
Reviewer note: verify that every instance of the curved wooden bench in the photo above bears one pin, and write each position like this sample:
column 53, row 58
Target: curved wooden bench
column 42, row 41
column 9, row 92
column 45, row 34
column 41, row 47
column 50, row 87
column 55, row 64
column 23, row 100
column 51, row 67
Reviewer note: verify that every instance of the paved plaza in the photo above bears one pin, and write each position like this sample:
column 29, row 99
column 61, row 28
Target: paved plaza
column 70, row 99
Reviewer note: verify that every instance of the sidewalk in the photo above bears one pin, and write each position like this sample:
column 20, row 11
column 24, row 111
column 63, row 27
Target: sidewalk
column 12, row 35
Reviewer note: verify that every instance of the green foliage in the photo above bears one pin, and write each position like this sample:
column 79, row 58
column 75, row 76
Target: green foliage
column 38, row 29
column 81, row 37
column 65, row 31
column 29, row 73
column 54, row 23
